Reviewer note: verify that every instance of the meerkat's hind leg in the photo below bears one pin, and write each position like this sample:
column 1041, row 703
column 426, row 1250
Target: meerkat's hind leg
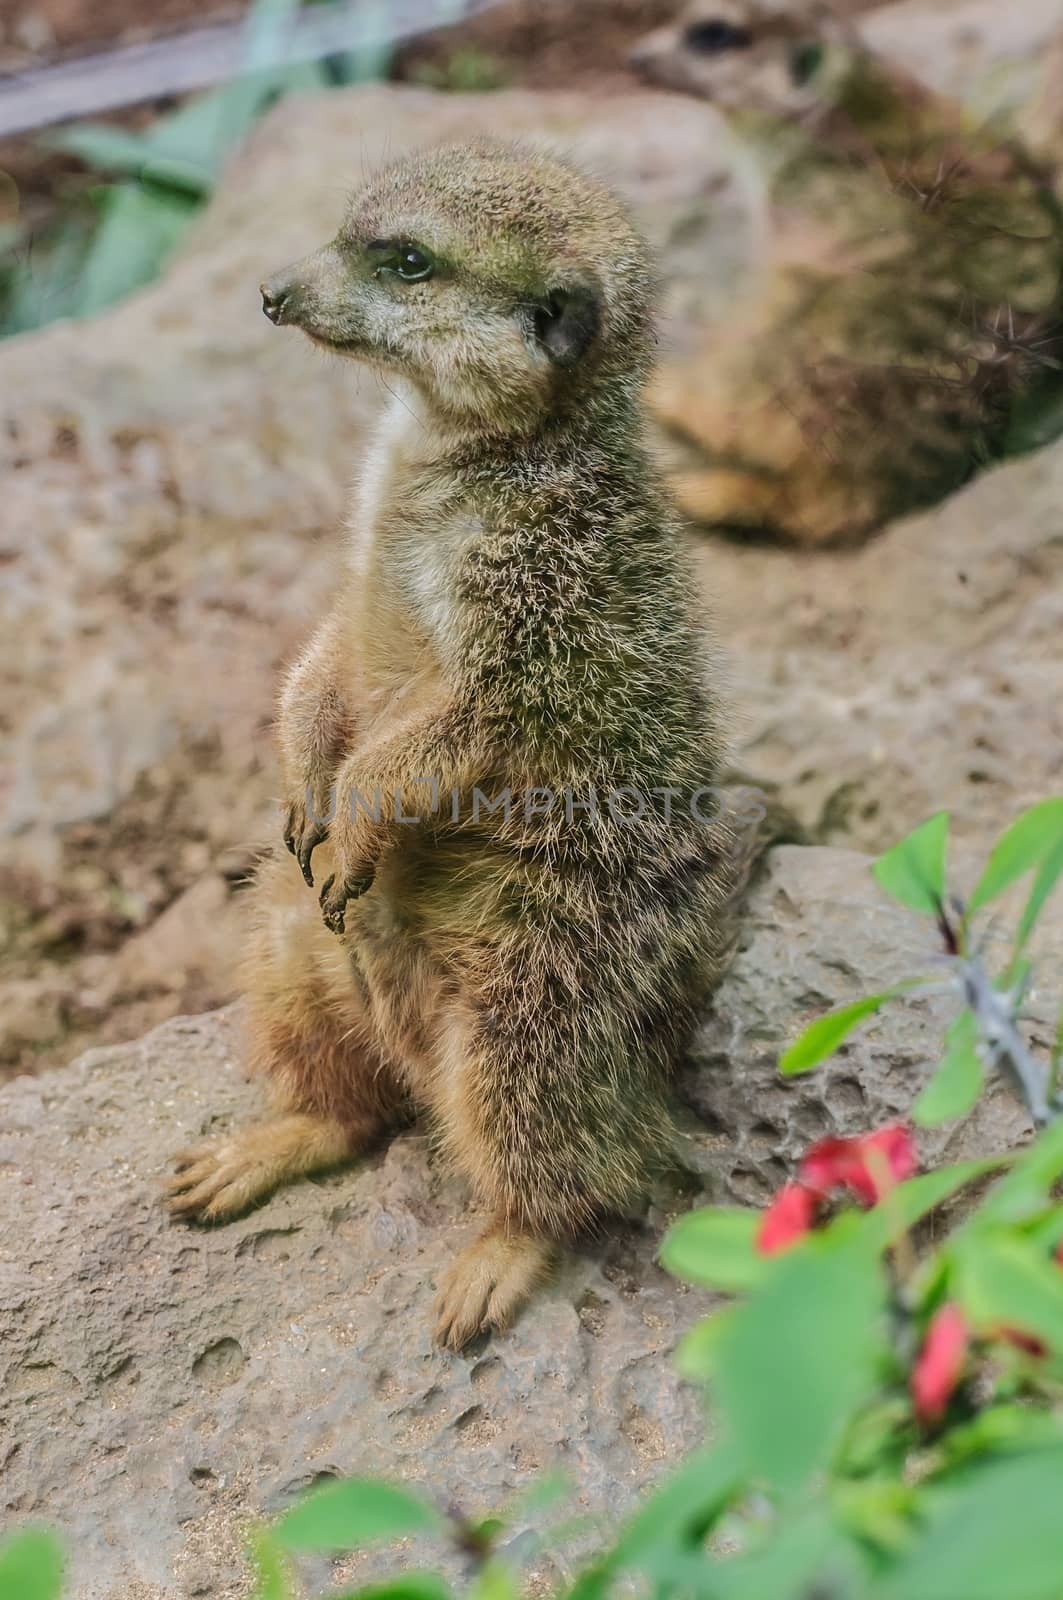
column 485, row 1286
column 223, row 1176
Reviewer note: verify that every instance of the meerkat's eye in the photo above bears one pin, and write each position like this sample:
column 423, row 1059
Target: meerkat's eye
column 407, row 261
column 805, row 60
column 715, row 35
column 413, row 264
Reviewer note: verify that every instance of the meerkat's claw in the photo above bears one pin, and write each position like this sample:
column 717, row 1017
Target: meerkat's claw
column 215, row 1180
column 488, row 1283
column 311, row 839
column 302, row 837
column 335, row 893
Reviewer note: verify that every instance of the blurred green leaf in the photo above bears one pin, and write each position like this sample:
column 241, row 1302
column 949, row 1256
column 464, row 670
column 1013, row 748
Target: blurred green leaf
column 822, row 1037
column 494, row 1581
column 696, row 1353
column 1048, row 875
column 914, row 1199
column 715, row 1246
column 996, row 1430
column 996, row 1534
column 139, row 230
column 408, row 1586
column 802, row 1354
column 269, row 1567
column 803, row 1555
column 879, row 1510
column 31, row 1566
column 1037, row 833
column 345, row 1515
column 1004, row 1281
column 913, row 872
column 1026, row 1188
column 957, row 1083
column 680, row 1513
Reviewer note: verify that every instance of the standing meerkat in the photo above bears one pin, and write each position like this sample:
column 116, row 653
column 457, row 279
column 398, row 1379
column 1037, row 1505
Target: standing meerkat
column 515, row 657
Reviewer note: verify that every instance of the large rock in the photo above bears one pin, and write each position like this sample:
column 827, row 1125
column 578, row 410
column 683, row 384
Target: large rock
column 877, row 686
column 163, row 1385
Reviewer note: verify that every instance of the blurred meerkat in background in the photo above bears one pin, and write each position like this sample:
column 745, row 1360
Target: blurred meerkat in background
column 904, row 310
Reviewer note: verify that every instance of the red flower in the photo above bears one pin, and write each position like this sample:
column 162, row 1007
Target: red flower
column 939, row 1363
column 869, row 1165
column 791, row 1214
column 1059, row 1252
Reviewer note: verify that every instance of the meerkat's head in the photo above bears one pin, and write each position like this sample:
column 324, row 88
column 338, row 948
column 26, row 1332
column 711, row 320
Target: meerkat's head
column 760, row 55
column 502, row 282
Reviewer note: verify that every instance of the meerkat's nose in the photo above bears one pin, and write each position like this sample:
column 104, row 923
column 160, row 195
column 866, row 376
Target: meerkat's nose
column 277, row 299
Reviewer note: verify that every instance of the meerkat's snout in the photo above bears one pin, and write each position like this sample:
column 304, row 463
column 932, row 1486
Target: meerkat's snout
column 276, row 295
column 313, row 294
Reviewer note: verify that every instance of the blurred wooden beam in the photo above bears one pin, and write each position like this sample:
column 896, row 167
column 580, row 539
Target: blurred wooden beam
column 204, row 56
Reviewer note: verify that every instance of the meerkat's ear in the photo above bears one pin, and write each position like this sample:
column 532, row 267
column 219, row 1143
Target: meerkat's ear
column 567, row 322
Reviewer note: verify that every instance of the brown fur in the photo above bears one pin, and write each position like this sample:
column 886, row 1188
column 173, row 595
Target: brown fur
column 906, row 304
column 517, row 613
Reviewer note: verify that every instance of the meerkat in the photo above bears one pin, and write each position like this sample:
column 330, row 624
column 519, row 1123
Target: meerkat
column 515, row 657
column 905, row 304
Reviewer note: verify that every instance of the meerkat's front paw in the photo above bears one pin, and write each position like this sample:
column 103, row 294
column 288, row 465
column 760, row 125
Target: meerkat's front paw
column 217, row 1179
column 338, row 889
column 487, row 1284
column 304, row 830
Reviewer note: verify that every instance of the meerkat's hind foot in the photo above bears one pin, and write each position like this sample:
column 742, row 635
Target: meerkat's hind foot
column 487, row 1284
column 222, row 1177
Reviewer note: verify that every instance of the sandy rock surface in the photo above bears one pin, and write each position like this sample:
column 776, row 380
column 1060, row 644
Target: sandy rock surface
column 163, row 1385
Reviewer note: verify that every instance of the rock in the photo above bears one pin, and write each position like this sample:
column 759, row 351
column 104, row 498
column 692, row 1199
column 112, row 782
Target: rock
column 920, row 672
column 164, row 1385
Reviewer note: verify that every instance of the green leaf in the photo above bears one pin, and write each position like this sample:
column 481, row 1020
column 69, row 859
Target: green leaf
column 100, row 144
column 997, row 1533
column 879, row 1510
column 408, row 1586
column 138, row 232
column 913, row 872
column 494, row 1581
column 342, row 1516
column 914, row 1199
column 696, row 1354
column 680, row 1513
column 715, row 1246
column 269, row 1567
column 803, row 1555
column 996, row 1430
column 797, row 1358
column 957, row 1083
column 1048, row 875
column 1003, row 1280
column 1026, row 1188
column 31, row 1566
column 1032, row 836
column 822, row 1037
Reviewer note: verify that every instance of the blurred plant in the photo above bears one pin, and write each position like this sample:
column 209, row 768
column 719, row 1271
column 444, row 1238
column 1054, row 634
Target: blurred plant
column 468, row 71
column 886, row 1405
column 121, row 236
